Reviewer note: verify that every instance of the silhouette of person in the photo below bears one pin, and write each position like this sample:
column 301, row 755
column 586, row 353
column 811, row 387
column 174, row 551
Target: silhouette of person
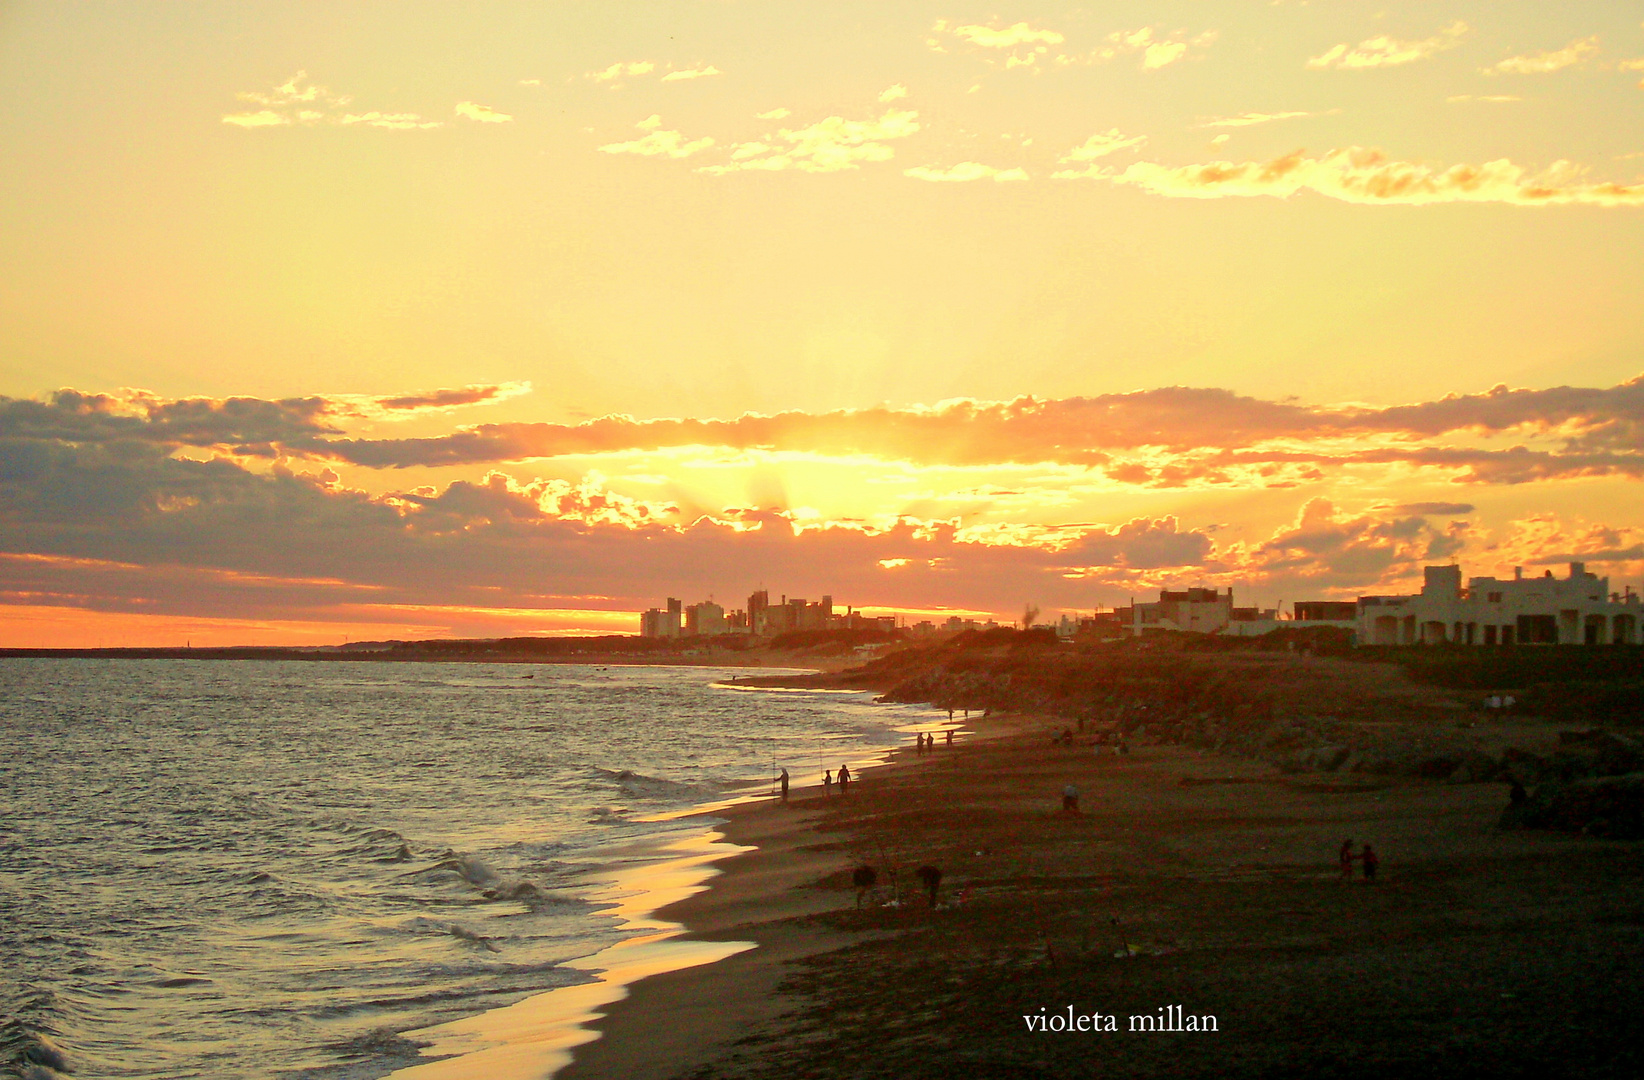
column 844, row 779
column 1370, row 862
column 864, row 879
column 932, row 878
column 784, row 779
column 949, row 734
column 827, row 783
column 1070, row 800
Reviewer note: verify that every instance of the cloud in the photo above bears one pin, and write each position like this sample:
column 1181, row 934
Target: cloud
column 1325, row 547
column 260, row 118
column 1543, row 63
column 1359, row 175
column 1156, row 51
column 1251, row 118
column 1441, row 509
column 482, row 113
column 391, row 121
column 1385, row 51
column 657, row 142
column 834, row 144
column 893, row 93
column 1593, row 432
column 1094, row 149
column 963, row 172
column 1499, row 99
column 235, row 424
column 691, row 73
column 774, row 114
column 299, row 102
column 622, row 70
column 1008, row 37
column 1170, row 437
column 406, row 406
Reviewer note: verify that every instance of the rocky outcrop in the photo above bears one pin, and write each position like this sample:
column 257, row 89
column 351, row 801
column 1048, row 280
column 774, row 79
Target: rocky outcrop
column 1609, row 806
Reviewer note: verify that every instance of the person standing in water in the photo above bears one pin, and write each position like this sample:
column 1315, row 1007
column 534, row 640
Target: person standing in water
column 844, row 779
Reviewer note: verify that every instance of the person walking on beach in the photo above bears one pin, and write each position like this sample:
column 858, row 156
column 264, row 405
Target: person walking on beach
column 844, row 779
column 784, row 780
column 1345, row 857
column 827, row 783
column 1370, row 863
column 1070, row 800
column 949, row 735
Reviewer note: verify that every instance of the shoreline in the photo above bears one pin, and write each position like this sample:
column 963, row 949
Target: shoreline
column 1188, row 879
column 534, row 1037
column 661, row 886
column 670, row 1022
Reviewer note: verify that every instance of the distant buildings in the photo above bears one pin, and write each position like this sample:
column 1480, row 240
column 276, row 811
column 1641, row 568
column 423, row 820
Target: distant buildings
column 1574, row 610
column 1197, row 611
column 760, row 618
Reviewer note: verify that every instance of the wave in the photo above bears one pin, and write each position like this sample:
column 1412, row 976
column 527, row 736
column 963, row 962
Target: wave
column 639, row 786
column 32, row 1054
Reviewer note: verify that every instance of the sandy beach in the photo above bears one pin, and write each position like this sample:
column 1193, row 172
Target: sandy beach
column 1189, row 884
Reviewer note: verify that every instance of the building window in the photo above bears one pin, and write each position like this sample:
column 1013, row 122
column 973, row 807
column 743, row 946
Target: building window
column 1494, row 598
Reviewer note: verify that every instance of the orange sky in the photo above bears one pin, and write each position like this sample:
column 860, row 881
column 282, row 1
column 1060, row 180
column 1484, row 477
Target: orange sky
column 517, row 320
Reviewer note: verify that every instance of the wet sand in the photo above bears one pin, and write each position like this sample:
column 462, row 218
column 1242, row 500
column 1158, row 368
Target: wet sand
column 1188, row 879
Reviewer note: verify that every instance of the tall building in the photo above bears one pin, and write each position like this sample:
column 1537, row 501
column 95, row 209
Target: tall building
column 661, row 624
column 705, row 619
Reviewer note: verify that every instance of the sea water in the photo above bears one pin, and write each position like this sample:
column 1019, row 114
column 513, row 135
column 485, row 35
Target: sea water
column 274, row 868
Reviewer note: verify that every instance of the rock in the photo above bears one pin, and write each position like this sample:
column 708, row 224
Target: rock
column 1609, row 806
column 1476, row 767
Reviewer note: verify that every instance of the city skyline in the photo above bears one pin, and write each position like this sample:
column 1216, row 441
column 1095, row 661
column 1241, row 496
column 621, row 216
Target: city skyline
column 365, row 323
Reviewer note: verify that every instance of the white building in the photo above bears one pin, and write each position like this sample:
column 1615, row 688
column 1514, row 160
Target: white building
column 1574, row 610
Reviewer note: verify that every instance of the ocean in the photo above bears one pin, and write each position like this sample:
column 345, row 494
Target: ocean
column 235, row 869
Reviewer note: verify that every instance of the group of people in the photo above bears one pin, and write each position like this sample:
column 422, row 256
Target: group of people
column 844, row 781
column 924, row 742
column 1366, row 858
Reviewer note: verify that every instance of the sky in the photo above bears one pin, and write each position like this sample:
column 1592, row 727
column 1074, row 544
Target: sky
column 326, row 322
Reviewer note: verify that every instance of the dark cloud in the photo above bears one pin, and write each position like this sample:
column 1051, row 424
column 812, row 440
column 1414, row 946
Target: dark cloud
column 69, row 416
column 1593, row 431
column 1435, row 509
